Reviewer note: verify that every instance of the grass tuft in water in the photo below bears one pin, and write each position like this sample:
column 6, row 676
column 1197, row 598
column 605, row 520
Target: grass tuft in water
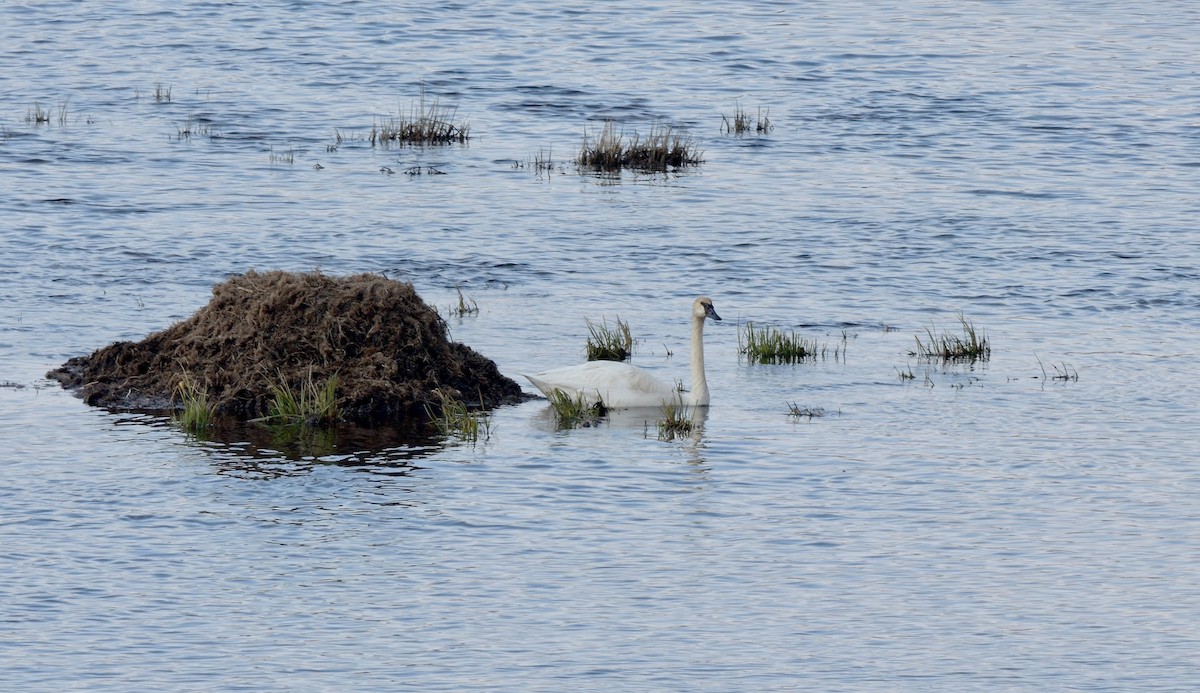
column 435, row 125
column 676, row 420
column 195, row 125
column 466, row 305
column 197, row 411
column 453, row 418
column 573, row 411
column 971, row 345
column 37, row 115
column 802, row 412
column 771, row 345
column 288, row 157
column 742, row 123
column 1063, row 372
column 663, row 149
column 541, row 163
column 609, row 343
column 162, row 94
column 307, row 403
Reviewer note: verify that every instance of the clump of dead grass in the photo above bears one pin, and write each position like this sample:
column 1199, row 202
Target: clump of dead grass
column 799, row 411
column 741, row 123
column 663, row 149
column 37, row 115
column 435, row 125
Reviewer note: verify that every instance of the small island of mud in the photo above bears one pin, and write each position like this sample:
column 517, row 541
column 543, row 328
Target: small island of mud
column 387, row 349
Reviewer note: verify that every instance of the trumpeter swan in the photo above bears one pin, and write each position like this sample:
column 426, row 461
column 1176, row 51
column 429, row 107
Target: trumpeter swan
column 621, row 386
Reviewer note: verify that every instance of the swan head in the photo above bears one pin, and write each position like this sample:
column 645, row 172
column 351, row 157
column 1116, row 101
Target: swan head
column 703, row 308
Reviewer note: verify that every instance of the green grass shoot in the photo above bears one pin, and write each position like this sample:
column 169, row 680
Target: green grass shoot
column 676, row 420
column 769, row 344
column 609, row 343
column 970, row 345
column 197, row 410
column 573, row 411
column 306, row 403
column 452, row 417
column 466, row 305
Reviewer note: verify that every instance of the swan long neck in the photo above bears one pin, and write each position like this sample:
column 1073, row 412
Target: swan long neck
column 699, row 396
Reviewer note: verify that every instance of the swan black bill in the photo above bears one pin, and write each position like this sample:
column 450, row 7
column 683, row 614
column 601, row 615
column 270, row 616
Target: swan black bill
column 711, row 312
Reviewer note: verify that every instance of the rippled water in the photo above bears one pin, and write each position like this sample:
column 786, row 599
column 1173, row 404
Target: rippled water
column 1034, row 166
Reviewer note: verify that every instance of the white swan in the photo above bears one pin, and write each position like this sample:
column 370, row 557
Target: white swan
column 622, row 386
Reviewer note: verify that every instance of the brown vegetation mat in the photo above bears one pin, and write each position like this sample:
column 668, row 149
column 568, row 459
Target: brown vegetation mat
column 388, row 349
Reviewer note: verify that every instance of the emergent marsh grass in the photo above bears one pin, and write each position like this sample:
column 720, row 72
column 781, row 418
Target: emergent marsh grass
column 769, row 344
column 572, row 411
column 810, row 412
column 609, row 343
column 1063, row 372
column 676, row 420
column 452, row 417
column 741, row 123
column 197, row 411
column 971, row 345
column 37, row 115
column 466, row 305
column 307, row 403
column 432, row 126
column 663, row 149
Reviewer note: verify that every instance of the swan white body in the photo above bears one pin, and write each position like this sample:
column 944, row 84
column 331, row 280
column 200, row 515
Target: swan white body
column 622, row 386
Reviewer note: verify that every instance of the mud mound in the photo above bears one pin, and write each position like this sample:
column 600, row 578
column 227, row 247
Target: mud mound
column 388, row 349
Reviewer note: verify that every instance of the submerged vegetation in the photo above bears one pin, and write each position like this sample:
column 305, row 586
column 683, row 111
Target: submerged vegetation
column 662, row 150
column 970, row 345
column 769, row 344
column 609, row 343
column 573, row 411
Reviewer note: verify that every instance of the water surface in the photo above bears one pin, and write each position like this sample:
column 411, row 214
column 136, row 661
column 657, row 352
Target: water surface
column 978, row 527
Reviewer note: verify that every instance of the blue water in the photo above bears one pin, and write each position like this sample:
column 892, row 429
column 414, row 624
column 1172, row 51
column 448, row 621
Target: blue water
column 1032, row 165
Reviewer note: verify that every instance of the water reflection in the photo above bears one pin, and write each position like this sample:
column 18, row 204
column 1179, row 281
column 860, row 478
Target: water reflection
column 686, row 424
column 253, row 450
